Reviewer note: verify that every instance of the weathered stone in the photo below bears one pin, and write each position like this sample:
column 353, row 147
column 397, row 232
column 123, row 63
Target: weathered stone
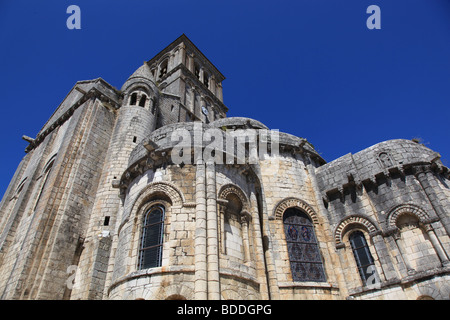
column 75, row 216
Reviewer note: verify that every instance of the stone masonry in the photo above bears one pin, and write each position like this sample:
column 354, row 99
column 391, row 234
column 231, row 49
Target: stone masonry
column 262, row 217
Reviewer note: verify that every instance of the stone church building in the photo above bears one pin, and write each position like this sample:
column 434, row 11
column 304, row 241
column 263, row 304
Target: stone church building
column 101, row 207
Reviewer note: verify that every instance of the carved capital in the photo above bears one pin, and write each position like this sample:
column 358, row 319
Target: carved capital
column 396, row 234
column 245, row 217
column 427, row 227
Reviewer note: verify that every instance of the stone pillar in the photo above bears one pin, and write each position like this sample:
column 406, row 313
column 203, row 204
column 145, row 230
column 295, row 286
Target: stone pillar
column 211, row 113
column 191, row 106
column 201, row 74
column 222, row 212
column 171, row 62
column 270, row 264
column 191, row 62
column 196, row 106
column 219, row 92
column 258, row 248
column 212, row 84
column 245, row 217
column 211, row 233
column 399, row 244
column 324, row 214
column 201, row 280
column 439, row 202
column 436, row 244
column 182, row 54
column 383, row 256
column 158, row 72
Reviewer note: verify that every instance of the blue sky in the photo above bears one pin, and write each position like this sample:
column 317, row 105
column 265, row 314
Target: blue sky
column 309, row 68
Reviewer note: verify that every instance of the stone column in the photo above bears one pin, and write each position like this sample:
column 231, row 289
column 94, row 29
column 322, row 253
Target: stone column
column 170, row 63
column 201, row 74
column 399, row 244
column 190, row 63
column 191, row 106
column 324, row 214
column 270, row 264
column 439, row 202
column 158, row 72
column 436, row 244
column 245, row 217
column 383, row 256
column 312, row 176
column 222, row 212
column 211, row 113
column 219, row 92
column 201, row 279
column 182, row 55
column 212, row 84
column 258, row 248
column 211, row 233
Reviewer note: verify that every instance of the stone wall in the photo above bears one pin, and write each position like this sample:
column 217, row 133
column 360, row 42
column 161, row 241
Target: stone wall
column 78, row 199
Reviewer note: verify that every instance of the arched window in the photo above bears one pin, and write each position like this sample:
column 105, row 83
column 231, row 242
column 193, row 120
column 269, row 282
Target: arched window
column 206, row 79
column 150, row 254
column 197, row 71
column 133, row 99
column 232, row 229
column 303, row 250
column 363, row 258
column 142, row 100
column 163, row 69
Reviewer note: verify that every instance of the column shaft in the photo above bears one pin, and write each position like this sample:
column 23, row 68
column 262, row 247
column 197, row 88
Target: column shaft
column 201, row 280
column 212, row 239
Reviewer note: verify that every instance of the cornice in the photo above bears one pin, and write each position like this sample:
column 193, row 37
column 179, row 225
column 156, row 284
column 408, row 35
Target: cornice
column 92, row 93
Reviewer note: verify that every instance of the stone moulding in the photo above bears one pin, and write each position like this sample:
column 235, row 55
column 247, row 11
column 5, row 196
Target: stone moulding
column 152, row 272
column 308, row 285
column 170, row 190
column 353, row 220
column 409, row 208
column 294, row 203
column 232, row 189
column 93, row 92
column 239, row 275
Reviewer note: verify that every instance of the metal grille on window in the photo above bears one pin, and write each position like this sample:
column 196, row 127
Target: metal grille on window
column 363, row 258
column 150, row 254
column 304, row 256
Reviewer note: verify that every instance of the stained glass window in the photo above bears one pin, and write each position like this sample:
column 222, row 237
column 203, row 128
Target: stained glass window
column 363, row 258
column 303, row 250
column 150, row 254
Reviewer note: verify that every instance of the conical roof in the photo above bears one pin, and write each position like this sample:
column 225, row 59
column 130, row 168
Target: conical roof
column 142, row 72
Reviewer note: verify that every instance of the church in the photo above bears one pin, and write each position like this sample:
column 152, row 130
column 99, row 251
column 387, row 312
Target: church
column 152, row 192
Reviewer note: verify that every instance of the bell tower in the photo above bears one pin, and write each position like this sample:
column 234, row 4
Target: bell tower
column 190, row 85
